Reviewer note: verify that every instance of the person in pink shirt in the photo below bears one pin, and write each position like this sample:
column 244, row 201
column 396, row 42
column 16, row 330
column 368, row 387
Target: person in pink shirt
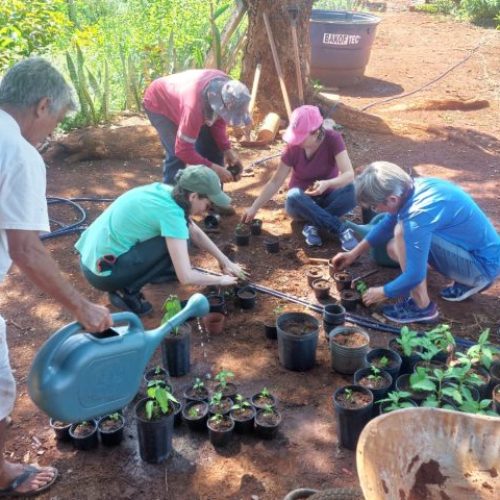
column 190, row 111
column 321, row 185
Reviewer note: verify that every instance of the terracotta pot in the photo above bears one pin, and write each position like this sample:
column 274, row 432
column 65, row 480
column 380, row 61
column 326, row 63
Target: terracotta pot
column 214, row 322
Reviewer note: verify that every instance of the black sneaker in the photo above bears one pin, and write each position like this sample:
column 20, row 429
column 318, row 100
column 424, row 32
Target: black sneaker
column 133, row 302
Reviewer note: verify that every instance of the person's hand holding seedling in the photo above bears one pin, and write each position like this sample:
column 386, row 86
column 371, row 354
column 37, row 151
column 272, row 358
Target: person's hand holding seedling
column 234, row 269
column 318, row 188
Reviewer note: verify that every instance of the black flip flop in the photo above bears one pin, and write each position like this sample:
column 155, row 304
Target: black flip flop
column 28, row 472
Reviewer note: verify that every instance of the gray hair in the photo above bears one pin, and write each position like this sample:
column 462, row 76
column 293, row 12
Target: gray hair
column 379, row 180
column 30, row 80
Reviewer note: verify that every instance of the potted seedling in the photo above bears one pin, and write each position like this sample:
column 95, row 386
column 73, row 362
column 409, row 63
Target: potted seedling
column 156, row 373
column 396, row 400
column 361, row 287
column 196, row 391
column 155, row 423
column 353, row 409
column 219, row 404
column 418, row 383
column 217, row 303
column 228, row 389
column 267, row 421
column 246, row 297
column 348, row 348
column 483, row 352
column 428, row 355
column 263, row 399
column 111, row 429
column 384, row 359
column 243, row 414
column 270, row 324
column 242, row 234
column 443, row 341
column 195, row 414
column 407, row 346
column 61, row 429
column 297, row 340
column 483, row 407
column 176, row 347
column 378, row 381
column 256, row 226
column 349, row 299
column 220, row 429
column 444, row 396
column 84, row 435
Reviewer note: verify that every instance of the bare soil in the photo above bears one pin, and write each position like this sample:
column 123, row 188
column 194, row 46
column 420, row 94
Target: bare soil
column 410, row 51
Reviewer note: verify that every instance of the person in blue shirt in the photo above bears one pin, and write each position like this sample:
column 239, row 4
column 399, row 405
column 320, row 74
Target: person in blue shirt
column 428, row 221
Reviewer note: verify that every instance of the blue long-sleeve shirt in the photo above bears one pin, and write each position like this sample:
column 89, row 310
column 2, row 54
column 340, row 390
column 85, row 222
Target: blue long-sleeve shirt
column 437, row 207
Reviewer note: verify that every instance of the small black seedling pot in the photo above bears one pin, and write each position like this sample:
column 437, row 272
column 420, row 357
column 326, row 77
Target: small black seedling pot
column 270, row 330
column 256, row 227
column 220, row 431
column 393, row 366
column 378, row 392
column 211, row 221
column 352, row 417
column 242, row 235
column 267, row 423
column 178, row 413
column 217, row 303
column 312, row 274
column 176, row 351
column 321, row 288
column 243, row 421
column 343, row 280
column 272, row 244
column 84, row 441
column 61, row 429
column 196, row 421
column 261, row 401
column 111, row 430
column 247, row 296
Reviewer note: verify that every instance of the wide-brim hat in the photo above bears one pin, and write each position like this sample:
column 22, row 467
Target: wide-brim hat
column 304, row 120
column 229, row 99
column 203, row 180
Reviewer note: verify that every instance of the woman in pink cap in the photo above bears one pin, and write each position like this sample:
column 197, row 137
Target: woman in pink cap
column 321, row 185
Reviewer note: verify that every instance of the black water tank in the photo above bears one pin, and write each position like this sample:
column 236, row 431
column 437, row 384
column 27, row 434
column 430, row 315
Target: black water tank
column 340, row 45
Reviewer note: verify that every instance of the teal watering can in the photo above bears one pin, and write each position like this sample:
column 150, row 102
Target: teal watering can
column 78, row 375
column 378, row 253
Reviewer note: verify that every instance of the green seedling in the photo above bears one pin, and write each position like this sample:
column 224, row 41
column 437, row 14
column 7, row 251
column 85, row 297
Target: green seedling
column 222, row 377
column 265, row 392
column 240, row 403
column 375, row 374
column 216, row 398
column 217, row 418
column 482, row 353
column 195, row 411
column 114, row 416
column 159, row 401
column 361, row 287
column 268, row 410
column 408, row 340
column 198, row 384
column 477, row 407
column 383, row 362
column 278, row 310
column 396, row 400
column 348, row 394
column 170, row 308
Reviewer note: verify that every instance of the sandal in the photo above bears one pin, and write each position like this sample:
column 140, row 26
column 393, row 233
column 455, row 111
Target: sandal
column 26, row 475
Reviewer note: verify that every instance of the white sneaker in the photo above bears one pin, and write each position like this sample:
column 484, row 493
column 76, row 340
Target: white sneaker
column 347, row 240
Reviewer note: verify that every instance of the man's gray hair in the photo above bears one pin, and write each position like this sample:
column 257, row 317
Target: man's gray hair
column 30, row 80
column 379, row 180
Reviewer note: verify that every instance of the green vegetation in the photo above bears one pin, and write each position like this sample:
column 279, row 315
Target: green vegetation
column 170, row 308
column 111, row 50
column 159, row 401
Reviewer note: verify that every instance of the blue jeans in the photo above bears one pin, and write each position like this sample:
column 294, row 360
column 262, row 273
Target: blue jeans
column 167, row 130
column 456, row 263
column 321, row 211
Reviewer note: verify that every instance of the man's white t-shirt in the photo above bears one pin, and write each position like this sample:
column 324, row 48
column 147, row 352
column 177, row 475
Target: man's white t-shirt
column 22, row 187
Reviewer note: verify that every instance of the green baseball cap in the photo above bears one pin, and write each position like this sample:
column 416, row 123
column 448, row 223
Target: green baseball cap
column 203, row 180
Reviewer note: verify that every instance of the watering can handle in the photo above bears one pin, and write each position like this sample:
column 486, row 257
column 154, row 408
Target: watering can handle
column 49, row 349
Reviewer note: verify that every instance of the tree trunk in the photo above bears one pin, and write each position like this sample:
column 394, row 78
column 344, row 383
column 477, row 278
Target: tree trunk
column 258, row 49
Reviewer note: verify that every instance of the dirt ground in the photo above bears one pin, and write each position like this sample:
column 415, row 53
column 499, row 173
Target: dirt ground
column 410, row 50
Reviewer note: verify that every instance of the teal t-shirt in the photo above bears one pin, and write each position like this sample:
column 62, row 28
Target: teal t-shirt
column 136, row 216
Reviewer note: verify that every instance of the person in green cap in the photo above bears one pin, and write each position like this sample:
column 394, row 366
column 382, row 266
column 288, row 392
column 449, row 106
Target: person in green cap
column 143, row 238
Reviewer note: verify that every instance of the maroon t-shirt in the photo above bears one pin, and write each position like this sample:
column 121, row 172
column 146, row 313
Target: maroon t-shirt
column 321, row 166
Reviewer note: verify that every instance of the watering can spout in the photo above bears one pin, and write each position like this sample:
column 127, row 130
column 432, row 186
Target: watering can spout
column 378, row 253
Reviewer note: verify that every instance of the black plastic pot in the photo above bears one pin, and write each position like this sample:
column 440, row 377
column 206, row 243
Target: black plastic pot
column 394, row 364
column 178, row 413
column 260, row 402
column 349, row 299
column 483, row 387
column 152, row 374
column 201, row 395
column 343, row 280
column 217, row 303
column 85, row 442
column 154, row 436
column 321, row 288
column 246, row 297
column 243, row 424
column 333, row 316
column 403, row 384
column 350, row 421
column 256, row 227
column 270, row 331
column 242, row 236
column 218, row 436
column 176, row 351
column 111, row 437
column 196, row 422
column 61, row 430
column 229, row 391
column 313, row 274
column 297, row 340
column 266, row 424
column 224, row 407
column 272, row 244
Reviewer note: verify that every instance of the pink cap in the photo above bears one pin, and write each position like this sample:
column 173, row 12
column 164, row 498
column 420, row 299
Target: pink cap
column 304, row 120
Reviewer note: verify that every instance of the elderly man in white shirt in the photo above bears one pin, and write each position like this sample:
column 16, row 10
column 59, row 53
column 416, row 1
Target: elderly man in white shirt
column 33, row 99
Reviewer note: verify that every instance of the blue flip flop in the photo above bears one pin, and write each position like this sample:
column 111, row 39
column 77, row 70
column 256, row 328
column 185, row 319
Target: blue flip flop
column 29, row 471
